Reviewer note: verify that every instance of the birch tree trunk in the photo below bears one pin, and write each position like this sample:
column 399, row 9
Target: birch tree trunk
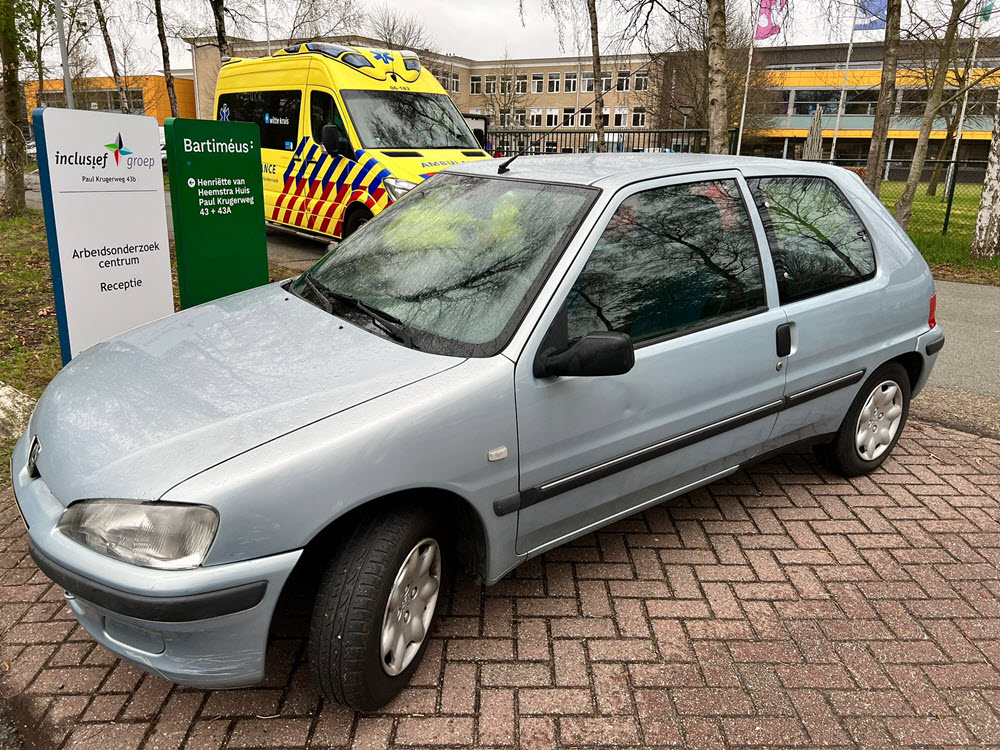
column 986, row 240
column 886, row 99
column 718, row 106
column 595, row 51
column 904, row 206
column 165, row 49
column 102, row 22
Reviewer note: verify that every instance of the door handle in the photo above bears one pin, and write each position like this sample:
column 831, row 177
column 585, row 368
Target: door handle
column 783, row 339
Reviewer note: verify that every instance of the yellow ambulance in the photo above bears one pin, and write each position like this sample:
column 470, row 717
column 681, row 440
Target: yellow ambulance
column 344, row 131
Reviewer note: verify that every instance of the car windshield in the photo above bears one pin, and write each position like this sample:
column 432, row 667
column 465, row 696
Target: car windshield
column 457, row 261
column 404, row 119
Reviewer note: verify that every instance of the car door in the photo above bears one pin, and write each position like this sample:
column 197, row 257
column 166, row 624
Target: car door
column 828, row 286
column 676, row 264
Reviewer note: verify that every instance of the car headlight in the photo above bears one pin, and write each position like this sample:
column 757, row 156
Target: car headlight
column 397, row 188
column 170, row 536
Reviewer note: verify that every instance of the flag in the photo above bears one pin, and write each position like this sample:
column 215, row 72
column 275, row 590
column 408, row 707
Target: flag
column 987, row 10
column 766, row 26
column 871, row 15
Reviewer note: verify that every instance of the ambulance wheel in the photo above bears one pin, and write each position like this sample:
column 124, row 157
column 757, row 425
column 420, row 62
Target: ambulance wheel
column 355, row 219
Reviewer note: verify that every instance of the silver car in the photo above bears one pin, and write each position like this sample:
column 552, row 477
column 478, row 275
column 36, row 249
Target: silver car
column 495, row 366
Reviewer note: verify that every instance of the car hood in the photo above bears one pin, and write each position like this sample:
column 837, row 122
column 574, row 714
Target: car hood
column 135, row 415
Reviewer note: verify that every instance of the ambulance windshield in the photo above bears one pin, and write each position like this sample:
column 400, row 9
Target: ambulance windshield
column 406, row 119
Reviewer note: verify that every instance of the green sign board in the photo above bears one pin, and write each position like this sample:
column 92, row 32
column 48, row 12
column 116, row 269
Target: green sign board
column 217, row 199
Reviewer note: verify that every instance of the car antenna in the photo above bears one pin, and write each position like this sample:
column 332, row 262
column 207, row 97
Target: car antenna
column 505, row 165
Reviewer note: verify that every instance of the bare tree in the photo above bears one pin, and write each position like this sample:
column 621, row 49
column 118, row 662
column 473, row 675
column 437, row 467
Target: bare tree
column 102, row 22
column 399, row 30
column 13, row 122
column 904, row 206
column 168, row 75
column 718, row 96
column 886, row 98
column 506, row 97
column 295, row 20
column 219, row 16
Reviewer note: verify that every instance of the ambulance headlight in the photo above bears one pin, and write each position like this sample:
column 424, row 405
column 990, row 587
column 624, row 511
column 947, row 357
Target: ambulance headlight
column 397, row 188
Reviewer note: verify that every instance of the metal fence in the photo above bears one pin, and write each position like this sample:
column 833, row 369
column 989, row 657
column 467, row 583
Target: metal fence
column 585, row 141
column 947, row 198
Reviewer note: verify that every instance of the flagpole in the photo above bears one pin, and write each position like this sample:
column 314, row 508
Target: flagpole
column 843, row 87
column 976, row 31
column 746, row 83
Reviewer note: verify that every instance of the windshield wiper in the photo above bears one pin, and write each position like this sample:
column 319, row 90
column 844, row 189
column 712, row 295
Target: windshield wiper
column 388, row 322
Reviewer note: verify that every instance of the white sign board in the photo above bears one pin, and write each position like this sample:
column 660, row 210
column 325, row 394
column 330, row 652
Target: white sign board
column 102, row 189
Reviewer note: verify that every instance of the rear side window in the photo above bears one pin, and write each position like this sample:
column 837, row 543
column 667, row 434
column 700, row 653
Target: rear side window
column 671, row 259
column 275, row 112
column 817, row 241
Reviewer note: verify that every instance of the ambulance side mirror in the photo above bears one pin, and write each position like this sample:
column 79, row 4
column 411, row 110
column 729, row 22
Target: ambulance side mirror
column 333, row 139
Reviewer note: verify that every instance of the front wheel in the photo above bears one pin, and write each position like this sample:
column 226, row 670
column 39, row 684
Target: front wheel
column 376, row 606
column 873, row 424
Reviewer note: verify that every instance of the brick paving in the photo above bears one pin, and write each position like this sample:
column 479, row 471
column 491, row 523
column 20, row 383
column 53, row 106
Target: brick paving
column 780, row 607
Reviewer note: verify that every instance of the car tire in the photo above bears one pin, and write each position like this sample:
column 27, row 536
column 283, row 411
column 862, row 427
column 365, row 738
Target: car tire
column 357, row 218
column 873, row 424
column 381, row 558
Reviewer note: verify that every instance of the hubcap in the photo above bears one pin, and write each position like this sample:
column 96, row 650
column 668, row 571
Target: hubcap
column 879, row 420
column 410, row 608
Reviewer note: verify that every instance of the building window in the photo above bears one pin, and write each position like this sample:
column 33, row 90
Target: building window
column 456, row 83
column 550, row 147
column 606, row 81
column 536, row 117
column 569, row 116
column 554, row 83
column 506, row 84
column 641, row 81
column 537, row 83
column 624, row 80
column 588, row 81
column 551, row 118
column 520, row 117
column 621, row 116
column 476, row 85
column 638, row 117
column 586, row 117
column 475, row 110
column 606, row 116
column 807, row 102
column 504, row 117
column 491, row 85
column 569, row 80
column 521, row 86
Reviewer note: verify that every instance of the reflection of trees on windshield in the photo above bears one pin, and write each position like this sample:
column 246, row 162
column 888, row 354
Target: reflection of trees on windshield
column 670, row 258
column 457, row 257
column 817, row 241
column 396, row 119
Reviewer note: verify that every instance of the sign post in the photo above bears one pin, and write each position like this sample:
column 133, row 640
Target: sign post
column 105, row 217
column 217, row 198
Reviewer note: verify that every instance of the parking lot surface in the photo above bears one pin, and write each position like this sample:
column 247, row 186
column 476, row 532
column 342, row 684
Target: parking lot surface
column 780, row 607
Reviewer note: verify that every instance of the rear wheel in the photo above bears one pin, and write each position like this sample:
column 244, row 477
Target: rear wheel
column 873, row 424
column 376, row 606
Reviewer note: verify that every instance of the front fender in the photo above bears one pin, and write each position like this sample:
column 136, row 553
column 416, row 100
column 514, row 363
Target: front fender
column 433, row 434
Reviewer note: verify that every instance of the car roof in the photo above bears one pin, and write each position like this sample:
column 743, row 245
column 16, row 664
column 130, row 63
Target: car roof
column 614, row 170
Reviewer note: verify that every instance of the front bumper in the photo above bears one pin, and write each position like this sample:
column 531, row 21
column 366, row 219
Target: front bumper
column 205, row 627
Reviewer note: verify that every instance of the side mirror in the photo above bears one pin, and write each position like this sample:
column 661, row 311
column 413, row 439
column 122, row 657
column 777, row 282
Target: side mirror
column 597, row 354
column 480, row 135
column 332, row 137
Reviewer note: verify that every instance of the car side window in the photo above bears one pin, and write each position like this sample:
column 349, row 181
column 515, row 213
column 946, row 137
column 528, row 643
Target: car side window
column 275, row 112
column 671, row 259
column 323, row 111
column 818, row 242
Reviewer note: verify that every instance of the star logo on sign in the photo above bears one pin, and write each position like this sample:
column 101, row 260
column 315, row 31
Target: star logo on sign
column 382, row 57
column 118, row 147
column 224, row 113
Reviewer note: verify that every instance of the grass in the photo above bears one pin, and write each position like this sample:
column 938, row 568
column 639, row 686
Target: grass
column 947, row 255
column 29, row 336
